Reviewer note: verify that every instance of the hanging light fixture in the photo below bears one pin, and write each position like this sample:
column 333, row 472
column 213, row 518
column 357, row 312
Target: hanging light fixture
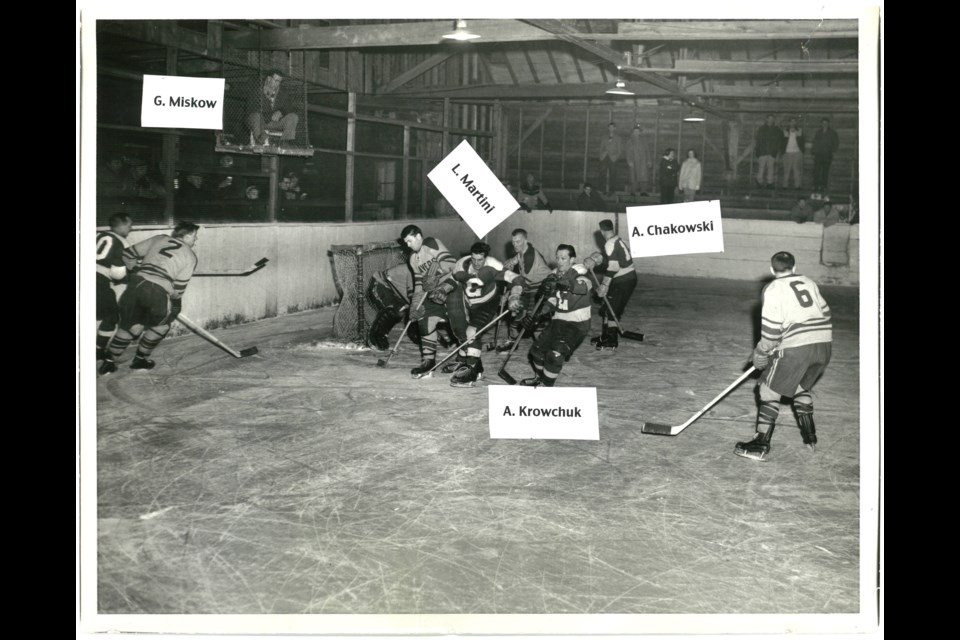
column 461, row 33
column 620, row 87
column 691, row 116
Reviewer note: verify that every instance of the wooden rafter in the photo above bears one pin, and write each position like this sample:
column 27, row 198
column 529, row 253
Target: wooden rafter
column 416, row 71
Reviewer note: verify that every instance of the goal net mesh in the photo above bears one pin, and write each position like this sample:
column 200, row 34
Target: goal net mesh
column 353, row 266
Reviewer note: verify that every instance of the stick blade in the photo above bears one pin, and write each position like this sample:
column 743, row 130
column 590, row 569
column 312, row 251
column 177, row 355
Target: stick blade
column 657, row 429
column 261, row 262
column 382, row 364
column 249, row 352
column 506, row 377
column 633, row 335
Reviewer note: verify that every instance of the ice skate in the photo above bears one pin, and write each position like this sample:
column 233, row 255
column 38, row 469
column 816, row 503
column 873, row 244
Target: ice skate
column 424, row 369
column 139, row 362
column 467, row 375
column 756, row 449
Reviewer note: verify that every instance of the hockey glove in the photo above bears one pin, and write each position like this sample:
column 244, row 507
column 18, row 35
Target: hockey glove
column 176, row 304
column 548, row 286
column 593, row 260
column 440, row 295
column 602, row 290
column 526, row 207
column 528, row 322
column 417, row 313
column 760, row 359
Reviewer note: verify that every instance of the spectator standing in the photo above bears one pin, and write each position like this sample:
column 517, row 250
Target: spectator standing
column 690, row 176
column 638, row 160
column 793, row 154
column 669, row 174
column 825, row 144
column 767, row 145
column 611, row 149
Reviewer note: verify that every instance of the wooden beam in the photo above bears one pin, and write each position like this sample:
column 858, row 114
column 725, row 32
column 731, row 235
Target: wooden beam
column 416, row 71
column 615, row 58
column 553, row 63
column 533, row 69
column 531, row 129
column 409, row 34
column 351, row 147
column 654, row 30
column 772, row 67
column 597, row 91
column 405, row 198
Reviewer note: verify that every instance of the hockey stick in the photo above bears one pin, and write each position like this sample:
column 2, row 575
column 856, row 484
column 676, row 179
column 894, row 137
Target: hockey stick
column 657, row 429
column 203, row 333
column 468, row 341
column 259, row 264
column 506, row 377
column 496, row 332
column 629, row 335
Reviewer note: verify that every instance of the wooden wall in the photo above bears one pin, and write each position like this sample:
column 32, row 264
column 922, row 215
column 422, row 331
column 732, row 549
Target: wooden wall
column 563, row 150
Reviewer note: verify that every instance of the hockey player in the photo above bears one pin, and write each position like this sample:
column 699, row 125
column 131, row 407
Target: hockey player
column 432, row 302
column 796, row 335
column 533, row 268
column 567, row 295
column 617, row 284
column 110, row 269
column 477, row 274
column 389, row 292
column 161, row 268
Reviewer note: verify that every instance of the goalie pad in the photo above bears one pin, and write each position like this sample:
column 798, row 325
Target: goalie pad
column 381, row 327
column 384, row 296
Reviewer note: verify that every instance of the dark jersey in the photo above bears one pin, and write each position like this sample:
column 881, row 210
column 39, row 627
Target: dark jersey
column 479, row 286
column 618, row 258
column 110, row 248
column 572, row 305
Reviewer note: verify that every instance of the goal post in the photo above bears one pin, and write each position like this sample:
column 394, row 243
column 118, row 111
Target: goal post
column 353, row 266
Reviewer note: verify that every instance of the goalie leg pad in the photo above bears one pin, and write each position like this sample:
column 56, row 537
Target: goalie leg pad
column 384, row 322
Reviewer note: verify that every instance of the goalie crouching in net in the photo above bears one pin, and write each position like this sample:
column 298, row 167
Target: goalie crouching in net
column 567, row 298
column 389, row 292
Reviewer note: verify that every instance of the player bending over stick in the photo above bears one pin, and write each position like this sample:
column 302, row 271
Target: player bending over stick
column 794, row 349
column 567, row 292
column 110, row 269
column 436, row 297
column 530, row 264
column 161, row 268
column 477, row 274
column 617, row 285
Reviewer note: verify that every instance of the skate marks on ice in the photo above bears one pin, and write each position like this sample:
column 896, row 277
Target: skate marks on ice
column 310, row 481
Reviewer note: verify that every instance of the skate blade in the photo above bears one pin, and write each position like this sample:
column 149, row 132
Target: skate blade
column 750, row 455
column 462, row 385
column 812, row 448
column 421, row 376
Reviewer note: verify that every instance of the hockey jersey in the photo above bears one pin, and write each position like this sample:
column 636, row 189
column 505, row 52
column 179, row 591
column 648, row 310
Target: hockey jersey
column 794, row 314
column 110, row 248
column 431, row 252
column 478, row 286
column 572, row 305
column 618, row 258
column 531, row 265
column 163, row 260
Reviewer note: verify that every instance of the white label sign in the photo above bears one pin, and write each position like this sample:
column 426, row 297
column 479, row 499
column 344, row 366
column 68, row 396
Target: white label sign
column 674, row 229
column 474, row 191
column 182, row 103
column 544, row 413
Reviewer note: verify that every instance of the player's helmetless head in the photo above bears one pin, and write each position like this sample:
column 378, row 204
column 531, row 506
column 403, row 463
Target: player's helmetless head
column 121, row 224
column 478, row 254
column 782, row 262
column 671, row 153
column 606, row 228
column 412, row 236
column 519, row 240
column 565, row 256
column 531, row 179
column 186, row 232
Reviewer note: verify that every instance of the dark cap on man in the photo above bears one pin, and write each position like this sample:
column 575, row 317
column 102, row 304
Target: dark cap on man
column 606, row 225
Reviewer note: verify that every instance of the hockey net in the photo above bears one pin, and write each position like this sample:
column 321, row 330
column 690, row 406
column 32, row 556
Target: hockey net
column 353, row 266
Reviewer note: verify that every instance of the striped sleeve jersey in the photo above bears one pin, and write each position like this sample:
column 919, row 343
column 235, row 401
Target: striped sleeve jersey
column 431, row 252
column 619, row 260
column 794, row 314
column 110, row 248
column 572, row 305
column 163, row 260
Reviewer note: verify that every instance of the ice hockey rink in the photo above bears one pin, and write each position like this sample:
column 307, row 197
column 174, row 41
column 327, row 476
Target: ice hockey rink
column 305, row 479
